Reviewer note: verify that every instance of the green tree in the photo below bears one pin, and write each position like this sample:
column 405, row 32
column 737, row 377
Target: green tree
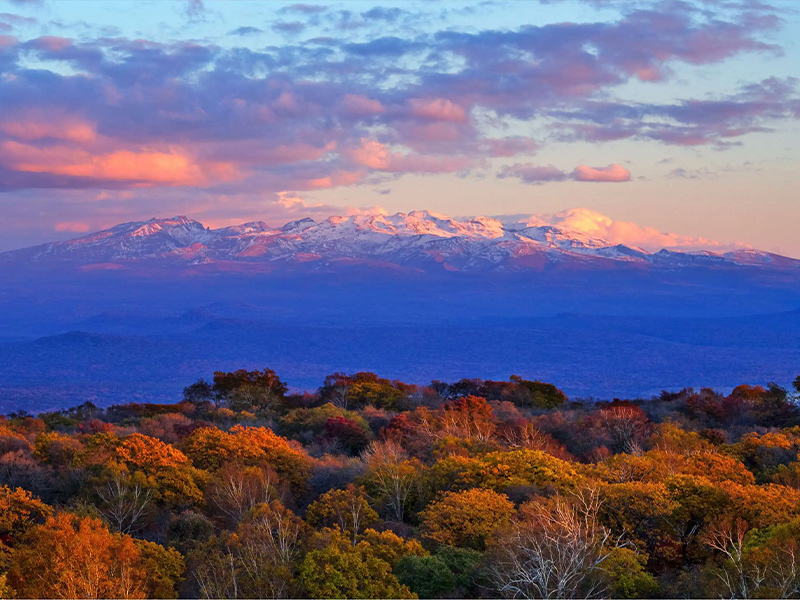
column 343, row 570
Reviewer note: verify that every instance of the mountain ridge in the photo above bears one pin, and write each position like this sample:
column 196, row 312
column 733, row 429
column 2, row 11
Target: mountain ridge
column 419, row 240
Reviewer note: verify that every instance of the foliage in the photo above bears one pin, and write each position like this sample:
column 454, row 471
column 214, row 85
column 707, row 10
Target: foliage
column 346, row 509
column 627, row 577
column 516, row 492
column 71, row 557
column 465, row 519
column 343, row 570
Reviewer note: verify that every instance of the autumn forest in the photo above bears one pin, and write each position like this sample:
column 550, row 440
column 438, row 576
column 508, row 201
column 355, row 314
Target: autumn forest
column 376, row 488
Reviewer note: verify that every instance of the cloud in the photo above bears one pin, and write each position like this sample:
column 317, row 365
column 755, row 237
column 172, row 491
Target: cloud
column 239, row 120
column 438, row 109
column 288, row 27
column 590, row 223
column 41, row 126
column 360, row 105
column 377, row 156
column 529, row 173
column 611, row 173
column 688, row 122
column 308, row 9
column 134, row 168
column 72, row 226
column 247, row 30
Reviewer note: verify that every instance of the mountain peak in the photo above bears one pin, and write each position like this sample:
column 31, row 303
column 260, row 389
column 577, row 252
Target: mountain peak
column 419, row 240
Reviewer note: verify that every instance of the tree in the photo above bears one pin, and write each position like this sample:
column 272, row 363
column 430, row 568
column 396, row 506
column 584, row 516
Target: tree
column 626, row 425
column 502, row 471
column 391, row 478
column 19, row 511
column 362, row 389
column 244, row 390
column 348, row 433
column 270, row 544
column 199, row 392
column 465, row 519
column 340, row 569
column 539, row 393
column 164, row 567
column 555, row 550
column 346, row 509
column 235, row 489
column 124, row 499
column 468, row 417
column 627, row 578
column 739, row 578
column 259, row 560
column 211, row 449
column 426, row 576
column 72, row 557
column 449, row 573
column 638, row 513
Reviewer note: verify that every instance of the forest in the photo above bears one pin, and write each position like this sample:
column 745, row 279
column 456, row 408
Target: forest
column 373, row 488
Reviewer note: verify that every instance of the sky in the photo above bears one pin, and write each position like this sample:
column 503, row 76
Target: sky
column 667, row 122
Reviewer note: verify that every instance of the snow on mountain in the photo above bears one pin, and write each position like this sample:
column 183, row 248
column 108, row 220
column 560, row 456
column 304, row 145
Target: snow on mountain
column 419, row 240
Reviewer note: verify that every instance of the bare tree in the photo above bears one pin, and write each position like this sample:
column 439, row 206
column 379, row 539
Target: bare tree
column 627, row 426
column 556, row 550
column 124, row 500
column 236, row 489
column 259, row 561
column 217, row 575
column 747, row 570
column 393, row 476
column 270, row 547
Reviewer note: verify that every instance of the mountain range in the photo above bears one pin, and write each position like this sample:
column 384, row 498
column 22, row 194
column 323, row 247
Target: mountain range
column 417, row 241
column 140, row 310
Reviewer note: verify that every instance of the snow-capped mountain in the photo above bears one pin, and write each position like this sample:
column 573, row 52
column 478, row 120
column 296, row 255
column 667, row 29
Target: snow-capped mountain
column 419, row 240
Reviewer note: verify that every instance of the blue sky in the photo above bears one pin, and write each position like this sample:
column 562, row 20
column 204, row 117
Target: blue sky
column 682, row 116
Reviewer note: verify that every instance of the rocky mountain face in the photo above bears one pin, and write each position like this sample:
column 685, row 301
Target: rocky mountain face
column 419, row 240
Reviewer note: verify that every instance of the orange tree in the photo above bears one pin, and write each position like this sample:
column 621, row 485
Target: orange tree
column 210, row 448
column 72, row 557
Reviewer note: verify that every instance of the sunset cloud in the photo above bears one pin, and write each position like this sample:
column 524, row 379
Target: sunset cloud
column 363, row 98
column 611, row 173
column 529, row 173
column 136, row 168
column 596, row 225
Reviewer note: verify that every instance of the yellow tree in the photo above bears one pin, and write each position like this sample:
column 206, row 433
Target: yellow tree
column 346, row 509
column 465, row 519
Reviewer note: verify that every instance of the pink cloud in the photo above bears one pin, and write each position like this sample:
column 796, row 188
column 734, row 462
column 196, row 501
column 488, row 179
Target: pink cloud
column 72, row 226
column 438, row 109
column 52, row 43
column 135, row 168
column 530, row 173
column 358, row 104
column 60, row 129
column 585, row 221
column 377, row 156
column 611, row 173
column 336, row 179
